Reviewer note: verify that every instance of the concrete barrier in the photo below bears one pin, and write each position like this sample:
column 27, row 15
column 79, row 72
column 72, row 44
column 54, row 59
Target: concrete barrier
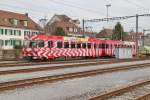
column 10, row 54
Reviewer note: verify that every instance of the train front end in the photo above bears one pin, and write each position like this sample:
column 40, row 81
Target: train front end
column 36, row 48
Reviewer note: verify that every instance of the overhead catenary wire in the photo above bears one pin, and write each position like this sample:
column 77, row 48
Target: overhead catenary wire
column 78, row 7
column 137, row 5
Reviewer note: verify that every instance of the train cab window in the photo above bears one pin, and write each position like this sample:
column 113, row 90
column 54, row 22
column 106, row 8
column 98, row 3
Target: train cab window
column 66, row 44
column 83, row 45
column 78, row 45
column 33, row 44
column 89, row 45
column 59, row 44
column 41, row 44
column 50, row 44
column 72, row 45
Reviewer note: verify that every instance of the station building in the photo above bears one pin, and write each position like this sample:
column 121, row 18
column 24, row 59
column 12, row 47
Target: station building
column 15, row 28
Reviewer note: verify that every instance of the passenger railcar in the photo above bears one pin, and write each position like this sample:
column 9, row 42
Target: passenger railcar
column 51, row 47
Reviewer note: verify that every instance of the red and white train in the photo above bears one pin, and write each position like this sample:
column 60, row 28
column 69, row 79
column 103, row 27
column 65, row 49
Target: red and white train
column 50, row 47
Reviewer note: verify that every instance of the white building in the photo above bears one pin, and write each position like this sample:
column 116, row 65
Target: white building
column 14, row 28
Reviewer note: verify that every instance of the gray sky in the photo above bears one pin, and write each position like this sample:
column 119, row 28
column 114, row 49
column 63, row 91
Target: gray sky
column 87, row 9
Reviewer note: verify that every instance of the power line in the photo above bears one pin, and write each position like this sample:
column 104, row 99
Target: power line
column 114, row 18
column 78, row 7
column 137, row 5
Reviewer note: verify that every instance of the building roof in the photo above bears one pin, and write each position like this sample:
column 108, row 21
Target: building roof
column 6, row 16
column 105, row 33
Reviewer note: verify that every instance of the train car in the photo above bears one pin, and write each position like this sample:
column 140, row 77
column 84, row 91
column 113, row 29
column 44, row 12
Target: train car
column 51, row 47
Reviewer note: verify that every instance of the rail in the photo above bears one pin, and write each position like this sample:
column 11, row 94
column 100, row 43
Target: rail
column 50, row 79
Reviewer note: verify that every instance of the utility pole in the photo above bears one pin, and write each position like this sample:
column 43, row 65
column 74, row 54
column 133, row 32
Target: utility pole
column 83, row 21
column 143, row 37
column 43, row 22
column 136, row 36
column 107, row 6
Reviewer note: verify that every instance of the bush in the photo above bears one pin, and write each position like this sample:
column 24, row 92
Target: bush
column 18, row 47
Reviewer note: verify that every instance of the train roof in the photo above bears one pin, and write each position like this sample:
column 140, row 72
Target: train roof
column 77, row 39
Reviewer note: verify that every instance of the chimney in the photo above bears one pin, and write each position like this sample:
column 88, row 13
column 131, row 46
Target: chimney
column 26, row 14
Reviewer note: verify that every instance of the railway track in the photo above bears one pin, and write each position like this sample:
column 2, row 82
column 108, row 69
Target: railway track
column 26, row 63
column 133, row 91
column 49, row 79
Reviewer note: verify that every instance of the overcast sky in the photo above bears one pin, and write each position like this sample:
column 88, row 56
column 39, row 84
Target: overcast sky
column 87, row 9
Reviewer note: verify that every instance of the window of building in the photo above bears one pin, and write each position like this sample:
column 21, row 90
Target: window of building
column 66, row 44
column 50, row 44
column 78, row 45
column 25, row 23
column 9, row 32
column 1, row 43
column 67, row 28
column 7, row 42
column 83, row 45
column 15, row 22
column 75, row 29
column 73, row 45
column 5, row 31
column 59, row 44
column 17, row 33
column 11, row 42
column 1, row 31
column 70, row 29
column 89, row 45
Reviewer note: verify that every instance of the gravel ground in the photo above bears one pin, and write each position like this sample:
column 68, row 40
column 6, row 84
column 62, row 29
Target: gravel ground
column 20, row 76
column 37, row 66
column 132, row 95
column 76, row 89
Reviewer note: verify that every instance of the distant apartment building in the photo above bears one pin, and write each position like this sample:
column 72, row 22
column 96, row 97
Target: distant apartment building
column 146, row 40
column 70, row 26
column 14, row 27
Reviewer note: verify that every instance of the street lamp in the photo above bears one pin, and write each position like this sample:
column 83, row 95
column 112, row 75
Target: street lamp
column 107, row 6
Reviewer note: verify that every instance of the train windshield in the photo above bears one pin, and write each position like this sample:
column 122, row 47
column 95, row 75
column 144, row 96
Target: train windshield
column 36, row 44
column 33, row 44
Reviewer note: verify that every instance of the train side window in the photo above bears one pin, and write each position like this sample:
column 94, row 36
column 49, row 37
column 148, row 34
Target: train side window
column 59, row 44
column 94, row 45
column 83, row 45
column 72, row 45
column 100, row 45
column 66, row 44
column 50, row 44
column 103, row 46
column 111, row 46
column 107, row 46
column 89, row 45
column 78, row 45
column 41, row 44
